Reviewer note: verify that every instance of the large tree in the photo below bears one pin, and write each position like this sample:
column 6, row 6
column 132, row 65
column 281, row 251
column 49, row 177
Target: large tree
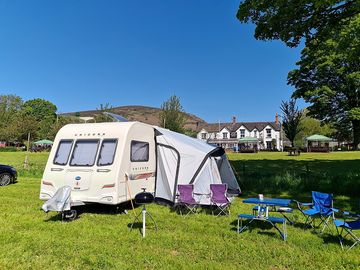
column 328, row 77
column 328, row 72
column 292, row 117
column 172, row 114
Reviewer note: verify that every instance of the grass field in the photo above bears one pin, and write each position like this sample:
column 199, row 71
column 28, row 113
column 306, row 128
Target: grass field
column 100, row 238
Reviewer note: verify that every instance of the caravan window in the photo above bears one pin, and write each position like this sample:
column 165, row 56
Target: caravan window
column 139, row 151
column 84, row 153
column 63, row 152
column 107, row 152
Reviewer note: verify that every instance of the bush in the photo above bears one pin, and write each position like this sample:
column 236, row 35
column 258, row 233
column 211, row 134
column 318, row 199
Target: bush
column 8, row 149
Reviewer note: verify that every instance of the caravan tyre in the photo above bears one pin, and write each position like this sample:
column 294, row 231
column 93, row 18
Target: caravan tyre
column 71, row 215
column 5, row 179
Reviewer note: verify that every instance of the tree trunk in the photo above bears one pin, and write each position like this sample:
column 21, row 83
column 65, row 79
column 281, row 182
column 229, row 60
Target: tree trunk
column 356, row 134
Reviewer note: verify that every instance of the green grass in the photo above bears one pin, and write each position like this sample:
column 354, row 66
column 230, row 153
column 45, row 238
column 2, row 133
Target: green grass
column 100, row 238
column 337, row 172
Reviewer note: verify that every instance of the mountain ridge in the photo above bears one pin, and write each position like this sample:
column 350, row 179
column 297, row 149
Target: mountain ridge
column 145, row 114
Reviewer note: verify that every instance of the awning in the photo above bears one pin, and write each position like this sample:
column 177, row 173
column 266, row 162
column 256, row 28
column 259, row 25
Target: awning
column 248, row 140
column 43, row 142
column 318, row 138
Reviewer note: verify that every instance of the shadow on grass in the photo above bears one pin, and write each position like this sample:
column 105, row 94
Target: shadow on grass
column 99, row 209
column 298, row 178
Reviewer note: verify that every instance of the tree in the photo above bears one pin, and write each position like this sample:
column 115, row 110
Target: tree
column 100, row 116
column 45, row 114
column 328, row 77
column 20, row 126
column 9, row 105
column 172, row 114
column 311, row 126
column 40, row 109
column 292, row 20
column 328, row 73
column 291, row 119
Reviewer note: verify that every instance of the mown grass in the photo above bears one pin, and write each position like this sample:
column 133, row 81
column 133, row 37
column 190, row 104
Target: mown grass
column 100, row 238
column 337, row 172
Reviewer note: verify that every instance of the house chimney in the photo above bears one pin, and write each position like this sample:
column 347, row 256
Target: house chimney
column 277, row 119
column 234, row 120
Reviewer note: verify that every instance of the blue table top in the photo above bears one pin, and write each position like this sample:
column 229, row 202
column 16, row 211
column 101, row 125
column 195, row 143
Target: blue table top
column 268, row 201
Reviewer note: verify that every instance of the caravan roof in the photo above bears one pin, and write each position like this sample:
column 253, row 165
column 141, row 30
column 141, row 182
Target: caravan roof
column 88, row 130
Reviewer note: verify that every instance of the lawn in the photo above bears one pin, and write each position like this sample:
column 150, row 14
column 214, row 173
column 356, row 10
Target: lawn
column 100, row 238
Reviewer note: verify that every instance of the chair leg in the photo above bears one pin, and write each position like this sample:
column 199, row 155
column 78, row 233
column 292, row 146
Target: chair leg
column 326, row 223
column 357, row 239
column 309, row 222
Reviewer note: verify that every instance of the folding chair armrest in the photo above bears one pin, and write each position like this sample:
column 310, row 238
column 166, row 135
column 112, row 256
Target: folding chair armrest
column 349, row 214
column 335, row 210
column 306, row 204
column 300, row 204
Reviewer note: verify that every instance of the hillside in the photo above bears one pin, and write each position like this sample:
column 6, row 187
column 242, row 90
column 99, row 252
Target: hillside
column 143, row 114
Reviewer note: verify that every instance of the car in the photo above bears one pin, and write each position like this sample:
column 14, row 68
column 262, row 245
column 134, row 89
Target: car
column 8, row 175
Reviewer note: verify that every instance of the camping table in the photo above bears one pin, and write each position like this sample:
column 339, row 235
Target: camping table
column 271, row 205
column 263, row 213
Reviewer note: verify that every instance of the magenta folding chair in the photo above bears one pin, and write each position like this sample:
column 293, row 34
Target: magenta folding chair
column 186, row 199
column 219, row 200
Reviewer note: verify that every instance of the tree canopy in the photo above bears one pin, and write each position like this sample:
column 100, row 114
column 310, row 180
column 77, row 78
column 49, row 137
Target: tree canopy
column 172, row 114
column 292, row 20
column 328, row 73
column 292, row 117
column 328, row 76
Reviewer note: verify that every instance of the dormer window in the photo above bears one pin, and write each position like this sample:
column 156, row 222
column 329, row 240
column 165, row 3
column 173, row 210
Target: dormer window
column 203, row 136
column 233, row 135
column 242, row 133
column 225, row 135
column 255, row 133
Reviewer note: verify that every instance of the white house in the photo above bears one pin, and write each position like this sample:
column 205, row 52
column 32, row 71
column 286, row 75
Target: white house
column 227, row 135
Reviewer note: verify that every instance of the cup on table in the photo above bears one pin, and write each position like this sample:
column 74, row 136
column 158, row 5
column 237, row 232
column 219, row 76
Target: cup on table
column 261, row 197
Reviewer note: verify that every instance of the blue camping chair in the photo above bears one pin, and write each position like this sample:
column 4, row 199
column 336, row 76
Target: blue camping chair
column 321, row 207
column 346, row 227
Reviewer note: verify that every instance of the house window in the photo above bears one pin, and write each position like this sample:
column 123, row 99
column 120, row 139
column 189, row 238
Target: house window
column 107, row 152
column 84, row 153
column 233, row 135
column 242, row 133
column 203, row 136
column 268, row 132
column 63, row 152
column 225, row 135
column 139, row 151
column 255, row 133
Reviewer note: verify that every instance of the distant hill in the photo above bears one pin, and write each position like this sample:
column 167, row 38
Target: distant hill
column 143, row 114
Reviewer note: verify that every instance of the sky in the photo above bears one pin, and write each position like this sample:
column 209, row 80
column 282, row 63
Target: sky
column 80, row 54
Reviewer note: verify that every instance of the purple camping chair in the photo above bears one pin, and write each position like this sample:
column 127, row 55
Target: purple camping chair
column 219, row 200
column 186, row 199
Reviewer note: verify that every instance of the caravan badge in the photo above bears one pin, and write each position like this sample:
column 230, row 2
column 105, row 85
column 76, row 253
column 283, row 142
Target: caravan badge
column 77, row 178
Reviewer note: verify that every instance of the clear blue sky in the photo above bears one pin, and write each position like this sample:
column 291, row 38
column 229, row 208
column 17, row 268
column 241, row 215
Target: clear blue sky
column 79, row 54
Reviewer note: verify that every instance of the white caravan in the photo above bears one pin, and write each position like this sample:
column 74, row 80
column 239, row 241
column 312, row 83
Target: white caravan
column 109, row 163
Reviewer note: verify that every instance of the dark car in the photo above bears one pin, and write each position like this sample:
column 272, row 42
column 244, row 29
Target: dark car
column 8, row 175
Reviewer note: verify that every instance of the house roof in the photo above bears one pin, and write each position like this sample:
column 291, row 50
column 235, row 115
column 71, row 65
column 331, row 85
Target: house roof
column 232, row 127
column 318, row 138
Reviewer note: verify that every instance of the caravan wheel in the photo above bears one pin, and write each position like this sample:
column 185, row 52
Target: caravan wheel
column 70, row 215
